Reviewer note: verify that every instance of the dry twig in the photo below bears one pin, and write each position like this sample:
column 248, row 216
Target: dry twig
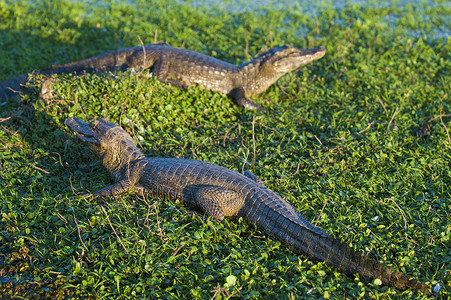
column 146, row 219
column 155, row 36
column 245, row 159
column 227, row 133
column 42, row 170
column 78, row 104
column 114, row 230
column 144, row 53
column 365, row 129
column 61, row 218
column 399, row 208
column 246, row 48
column 269, row 38
column 133, row 125
column 72, row 187
column 9, row 131
column 78, row 229
column 321, row 212
column 444, row 126
column 297, row 170
column 253, row 141
column 158, row 220
column 237, row 124
column 161, row 235
column 318, row 140
column 5, row 119
column 317, row 26
column 197, row 146
column 382, row 103
column 224, row 292
column 177, row 250
column 4, row 215
column 392, row 118
column 59, row 157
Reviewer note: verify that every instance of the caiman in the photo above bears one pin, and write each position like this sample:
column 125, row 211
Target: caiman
column 219, row 192
column 184, row 68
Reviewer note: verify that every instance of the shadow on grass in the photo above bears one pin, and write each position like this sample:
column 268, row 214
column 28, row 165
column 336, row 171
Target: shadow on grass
column 34, row 167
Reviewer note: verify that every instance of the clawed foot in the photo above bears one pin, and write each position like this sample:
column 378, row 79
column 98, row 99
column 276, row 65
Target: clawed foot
column 86, row 195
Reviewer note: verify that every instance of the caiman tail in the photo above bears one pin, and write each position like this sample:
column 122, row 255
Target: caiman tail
column 289, row 227
column 347, row 260
column 114, row 60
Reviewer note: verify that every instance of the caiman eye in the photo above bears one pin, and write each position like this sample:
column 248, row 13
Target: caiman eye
column 95, row 123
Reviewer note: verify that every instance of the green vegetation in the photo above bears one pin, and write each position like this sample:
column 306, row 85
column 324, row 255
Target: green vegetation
column 339, row 143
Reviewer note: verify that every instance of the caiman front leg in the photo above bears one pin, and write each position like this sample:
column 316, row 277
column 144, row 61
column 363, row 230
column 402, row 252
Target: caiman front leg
column 238, row 95
column 114, row 189
column 218, row 202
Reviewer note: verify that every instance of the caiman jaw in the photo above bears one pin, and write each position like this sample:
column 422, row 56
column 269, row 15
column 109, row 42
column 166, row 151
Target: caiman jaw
column 82, row 130
column 298, row 58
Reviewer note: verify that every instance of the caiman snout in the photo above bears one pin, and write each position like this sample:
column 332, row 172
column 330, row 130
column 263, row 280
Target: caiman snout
column 296, row 58
column 315, row 53
column 78, row 126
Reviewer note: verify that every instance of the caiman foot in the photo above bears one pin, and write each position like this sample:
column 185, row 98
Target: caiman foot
column 239, row 97
column 86, row 195
column 251, row 105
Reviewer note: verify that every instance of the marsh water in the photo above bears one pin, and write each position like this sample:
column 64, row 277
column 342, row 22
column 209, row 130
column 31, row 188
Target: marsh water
column 419, row 10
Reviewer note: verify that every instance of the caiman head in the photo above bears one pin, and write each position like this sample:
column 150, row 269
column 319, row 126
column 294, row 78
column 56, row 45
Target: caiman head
column 274, row 63
column 103, row 137
column 287, row 58
column 91, row 134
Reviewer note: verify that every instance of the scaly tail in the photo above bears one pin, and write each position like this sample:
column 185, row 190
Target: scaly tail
column 349, row 261
column 285, row 224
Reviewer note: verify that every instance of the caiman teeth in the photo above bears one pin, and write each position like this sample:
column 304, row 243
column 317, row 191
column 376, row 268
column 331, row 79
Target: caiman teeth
column 86, row 138
column 81, row 134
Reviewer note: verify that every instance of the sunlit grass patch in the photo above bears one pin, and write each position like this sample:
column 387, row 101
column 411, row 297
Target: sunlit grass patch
column 339, row 143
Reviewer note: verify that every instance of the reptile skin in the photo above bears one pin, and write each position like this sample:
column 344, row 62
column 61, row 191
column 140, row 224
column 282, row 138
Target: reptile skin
column 219, row 192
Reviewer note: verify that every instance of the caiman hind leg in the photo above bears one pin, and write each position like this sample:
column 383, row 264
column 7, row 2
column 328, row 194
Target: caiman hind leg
column 218, row 202
column 254, row 177
column 239, row 97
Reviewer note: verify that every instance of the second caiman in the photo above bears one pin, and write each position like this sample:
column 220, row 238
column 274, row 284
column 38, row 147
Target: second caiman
column 184, row 68
column 219, row 192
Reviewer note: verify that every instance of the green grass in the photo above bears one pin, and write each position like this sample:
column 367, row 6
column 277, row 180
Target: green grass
column 340, row 135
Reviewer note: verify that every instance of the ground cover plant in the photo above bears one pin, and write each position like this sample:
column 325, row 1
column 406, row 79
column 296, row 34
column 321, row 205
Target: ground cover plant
column 358, row 142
